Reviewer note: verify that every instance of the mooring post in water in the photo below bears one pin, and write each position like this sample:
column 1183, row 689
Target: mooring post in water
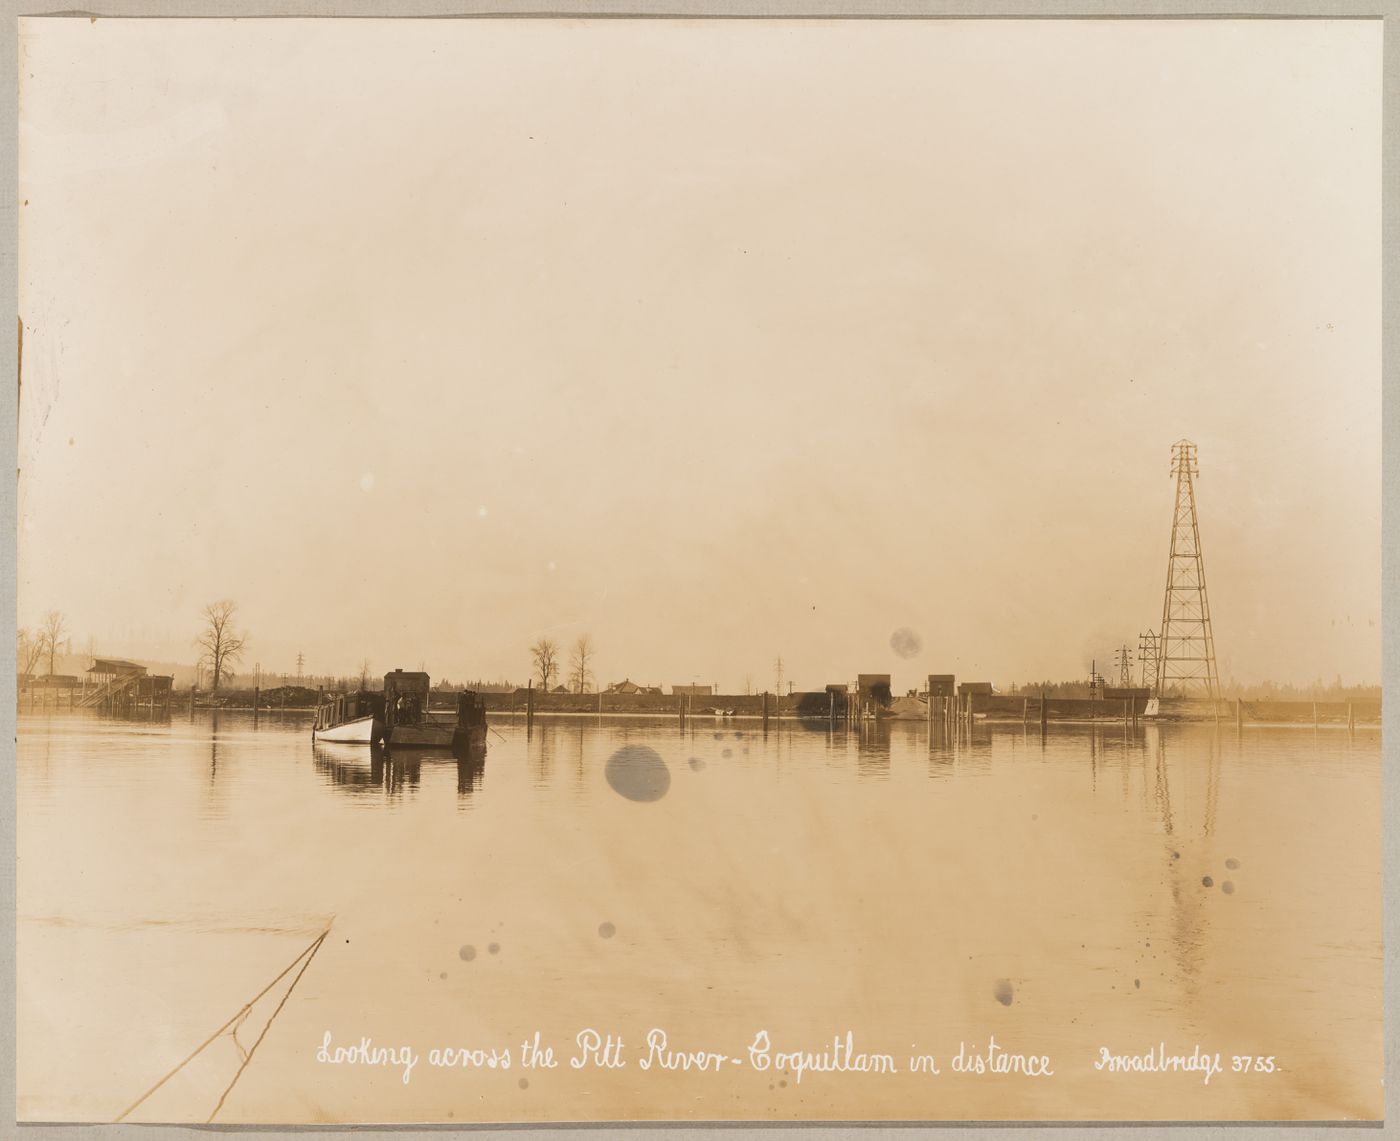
column 1314, row 715
column 529, row 705
column 1351, row 716
column 1043, row 711
column 1125, row 713
column 256, row 693
column 765, row 711
column 1025, row 709
column 680, row 708
column 1239, row 713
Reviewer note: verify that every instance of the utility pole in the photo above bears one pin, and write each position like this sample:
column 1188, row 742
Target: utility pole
column 1095, row 681
column 778, row 675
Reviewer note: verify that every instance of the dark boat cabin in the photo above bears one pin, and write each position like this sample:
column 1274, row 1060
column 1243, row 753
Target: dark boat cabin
column 405, row 698
column 471, row 710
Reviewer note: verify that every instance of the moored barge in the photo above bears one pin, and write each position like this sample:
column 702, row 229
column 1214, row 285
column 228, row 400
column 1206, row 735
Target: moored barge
column 400, row 715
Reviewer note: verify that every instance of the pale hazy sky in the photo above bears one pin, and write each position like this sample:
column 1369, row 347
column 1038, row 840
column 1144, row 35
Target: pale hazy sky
column 715, row 340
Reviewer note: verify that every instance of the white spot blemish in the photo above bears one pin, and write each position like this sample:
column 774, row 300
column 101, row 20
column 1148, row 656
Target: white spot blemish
column 481, row 511
column 367, row 481
column 551, row 566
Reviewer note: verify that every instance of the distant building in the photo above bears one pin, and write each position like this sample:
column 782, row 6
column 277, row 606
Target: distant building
column 54, row 681
column 693, row 690
column 874, row 689
column 941, row 685
column 627, row 686
column 105, row 669
column 979, row 688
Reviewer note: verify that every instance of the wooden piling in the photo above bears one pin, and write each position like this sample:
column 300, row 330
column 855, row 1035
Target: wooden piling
column 1239, row 713
column 1025, row 709
column 530, row 705
column 1351, row 716
column 765, row 711
column 1314, row 715
column 1125, row 712
column 1044, row 712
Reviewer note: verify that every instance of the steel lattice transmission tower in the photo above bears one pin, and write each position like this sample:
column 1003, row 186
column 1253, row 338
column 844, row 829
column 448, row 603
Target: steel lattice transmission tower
column 1123, row 659
column 1147, row 655
column 1186, row 646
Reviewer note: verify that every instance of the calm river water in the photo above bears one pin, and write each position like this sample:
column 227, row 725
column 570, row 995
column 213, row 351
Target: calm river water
column 922, row 894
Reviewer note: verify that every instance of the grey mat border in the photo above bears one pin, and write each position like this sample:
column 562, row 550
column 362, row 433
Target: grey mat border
column 1388, row 10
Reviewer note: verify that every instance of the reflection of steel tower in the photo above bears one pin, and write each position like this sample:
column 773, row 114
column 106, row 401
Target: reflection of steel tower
column 1147, row 655
column 1186, row 647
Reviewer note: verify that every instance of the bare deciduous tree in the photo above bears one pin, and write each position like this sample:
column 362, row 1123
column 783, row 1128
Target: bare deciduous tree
column 31, row 649
column 220, row 644
column 580, row 675
column 545, row 654
column 52, row 633
column 364, row 674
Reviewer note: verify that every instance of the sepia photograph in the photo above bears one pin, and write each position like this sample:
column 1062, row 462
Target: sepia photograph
column 616, row 570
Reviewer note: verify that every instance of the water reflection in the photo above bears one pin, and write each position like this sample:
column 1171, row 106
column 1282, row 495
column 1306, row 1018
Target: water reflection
column 371, row 772
column 541, row 745
column 471, row 771
column 903, row 867
column 873, row 752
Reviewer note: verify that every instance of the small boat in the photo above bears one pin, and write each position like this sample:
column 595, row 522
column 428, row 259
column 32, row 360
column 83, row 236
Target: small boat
column 400, row 717
column 349, row 718
column 361, row 731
